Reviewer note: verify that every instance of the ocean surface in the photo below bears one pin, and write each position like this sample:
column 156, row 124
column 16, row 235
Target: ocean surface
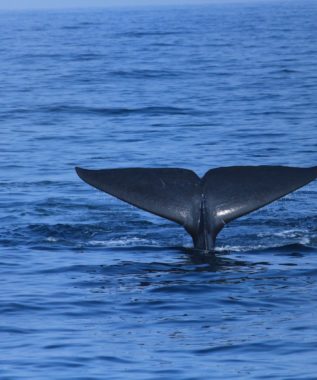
column 92, row 288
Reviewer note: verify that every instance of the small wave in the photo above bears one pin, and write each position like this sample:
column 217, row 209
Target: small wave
column 293, row 247
column 285, row 71
column 102, row 111
column 123, row 242
column 148, row 34
column 52, row 239
column 71, row 27
column 240, row 248
column 302, row 245
column 85, row 57
column 289, row 233
column 118, row 111
column 32, row 184
column 143, row 74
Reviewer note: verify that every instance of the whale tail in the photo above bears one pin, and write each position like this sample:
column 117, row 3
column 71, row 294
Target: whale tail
column 201, row 205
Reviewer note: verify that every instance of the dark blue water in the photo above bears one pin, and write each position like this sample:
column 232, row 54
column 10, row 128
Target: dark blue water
column 92, row 288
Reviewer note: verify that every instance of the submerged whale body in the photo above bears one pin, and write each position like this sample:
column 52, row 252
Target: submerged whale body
column 203, row 206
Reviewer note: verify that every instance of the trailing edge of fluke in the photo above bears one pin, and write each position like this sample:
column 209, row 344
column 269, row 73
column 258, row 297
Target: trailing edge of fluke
column 203, row 206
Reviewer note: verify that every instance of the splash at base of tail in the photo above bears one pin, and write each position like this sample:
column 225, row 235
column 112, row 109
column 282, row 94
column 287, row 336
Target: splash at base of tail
column 203, row 206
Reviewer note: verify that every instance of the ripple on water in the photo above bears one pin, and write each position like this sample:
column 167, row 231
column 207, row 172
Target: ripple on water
column 92, row 288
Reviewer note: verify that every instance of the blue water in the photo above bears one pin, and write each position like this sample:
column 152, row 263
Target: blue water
column 92, row 288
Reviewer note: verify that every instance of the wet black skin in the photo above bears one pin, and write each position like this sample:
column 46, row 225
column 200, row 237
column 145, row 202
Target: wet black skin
column 205, row 237
column 203, row 206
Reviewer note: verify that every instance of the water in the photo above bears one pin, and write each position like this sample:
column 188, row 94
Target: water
column 92, row 288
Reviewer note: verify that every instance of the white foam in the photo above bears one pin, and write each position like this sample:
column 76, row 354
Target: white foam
column 123, row 242
column 51, row 239
column 239, row 248
column 305, row 240
column 290, row 233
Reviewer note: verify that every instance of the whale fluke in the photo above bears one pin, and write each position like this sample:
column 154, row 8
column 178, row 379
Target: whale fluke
column 201, row 205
